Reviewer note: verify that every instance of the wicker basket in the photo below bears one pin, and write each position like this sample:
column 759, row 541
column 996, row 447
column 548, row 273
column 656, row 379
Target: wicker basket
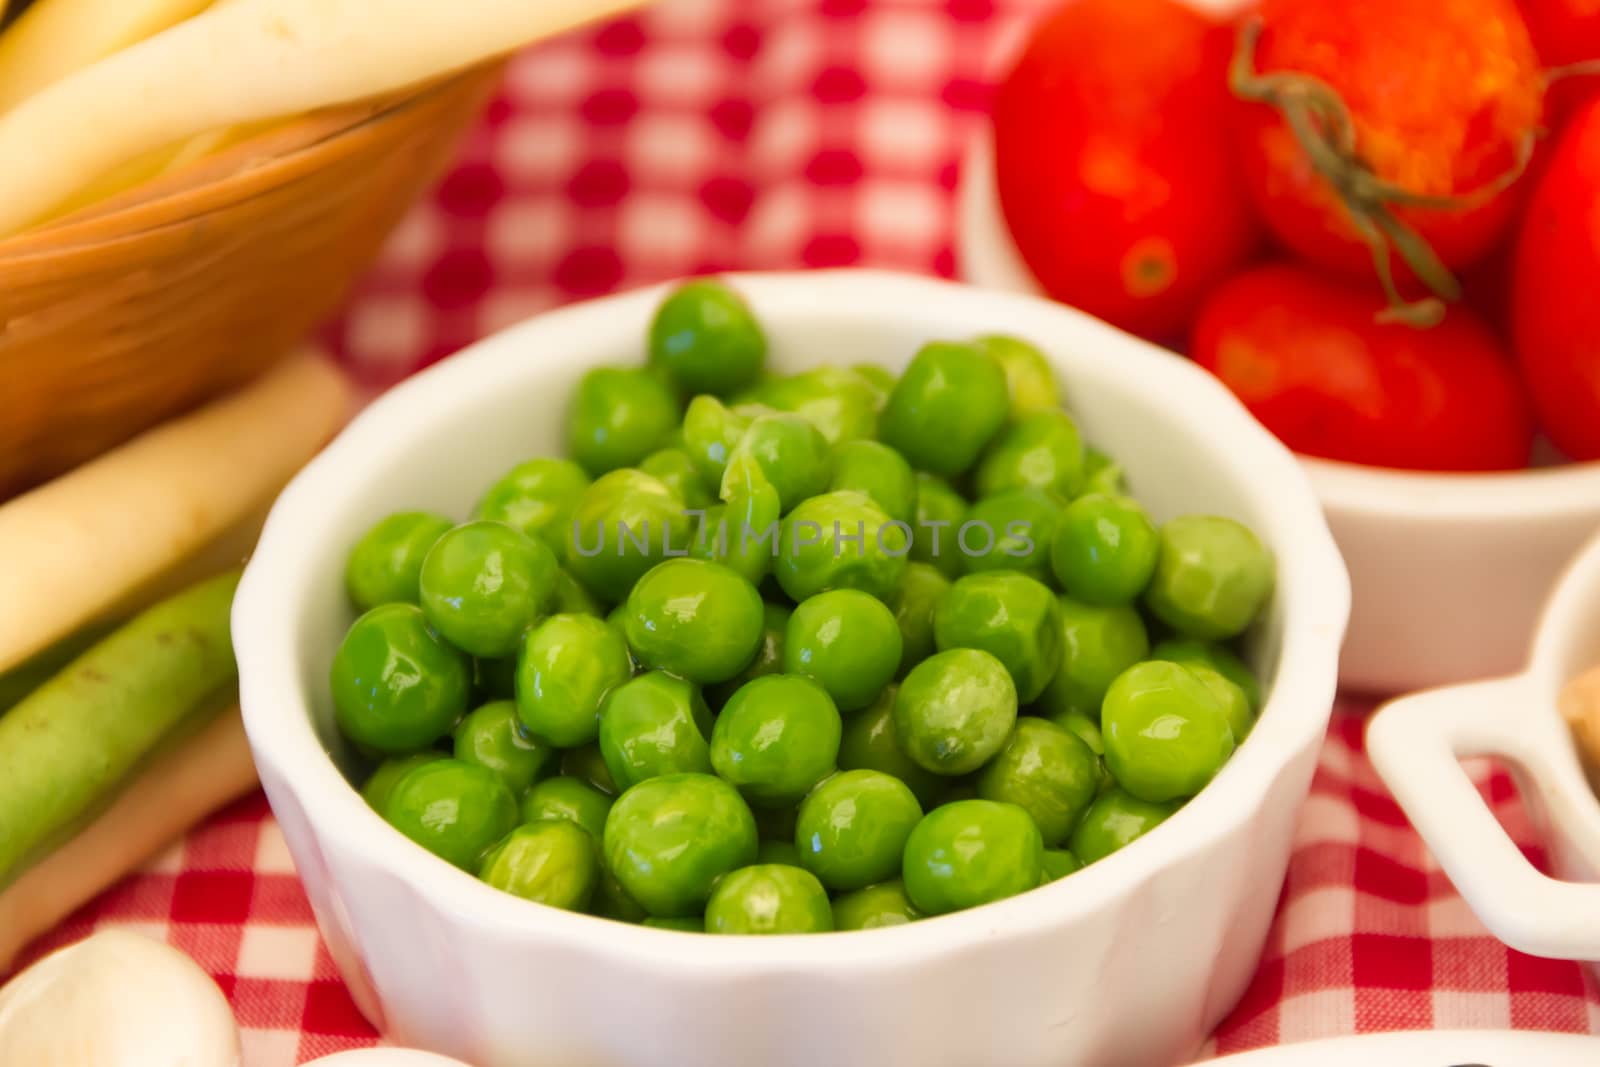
column 126, row 313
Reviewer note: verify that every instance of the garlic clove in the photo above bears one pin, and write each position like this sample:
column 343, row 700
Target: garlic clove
column 116, row 999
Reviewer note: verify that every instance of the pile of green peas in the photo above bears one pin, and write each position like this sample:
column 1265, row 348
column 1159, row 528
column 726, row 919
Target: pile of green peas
column 796, row 653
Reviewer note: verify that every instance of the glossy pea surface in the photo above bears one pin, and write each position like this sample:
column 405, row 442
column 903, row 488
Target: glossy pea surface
column 948, row 404
column 1097, row 644
column 1030, row 381
column 1218, row 658
column 1166, row 733
column 1047, row 772
column 381, row 782
column 492, row 737
column 567, row 665
column 572, row 799
column 847, row 642
column 971, row 852
column 793, row 456
column 1105, row 550
column 537, row 498
column 878, row 472
column 840, row 541
column 1040, row 450
column 653, row 725
column 706, row 339
column 1012, row 617
column 769, row 898
column 483, row 584
column 955, row 710
column 396, row 686
column 768, row 658
column 1114, row 821
column 586, row 764
column 453, row 809
column 776, row 738
column 624, row 524
column 868, row 743
column 386, row 564
column 852, row 828
column 940, row 513
column 675, row 469
column 913, row 603
column 840, row 402
column 618, row 416
column 698, row 620
column 551, row 861
column 1058, row 863
column 1011, row 531
column 1212, row 577
column 668, row 841
column 884, row 904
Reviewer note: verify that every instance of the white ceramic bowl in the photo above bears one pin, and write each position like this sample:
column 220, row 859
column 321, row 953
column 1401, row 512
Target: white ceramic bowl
column 1448, row 571
column 1132, row 961
column 1417, row 743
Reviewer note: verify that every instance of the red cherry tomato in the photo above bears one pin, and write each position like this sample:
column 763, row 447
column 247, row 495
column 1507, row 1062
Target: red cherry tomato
column 1109, row 166
column 1566, row 32
column 1444, row 97
column 1304, row 354
column 1555, row 300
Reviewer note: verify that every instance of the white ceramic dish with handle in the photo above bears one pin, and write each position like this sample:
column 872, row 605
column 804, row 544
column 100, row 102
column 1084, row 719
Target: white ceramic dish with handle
column 1416, row 744
column 1448, row 570
column 1132, row 961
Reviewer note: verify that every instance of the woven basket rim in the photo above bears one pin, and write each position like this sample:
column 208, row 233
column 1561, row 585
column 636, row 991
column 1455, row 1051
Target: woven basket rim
column 235, row 175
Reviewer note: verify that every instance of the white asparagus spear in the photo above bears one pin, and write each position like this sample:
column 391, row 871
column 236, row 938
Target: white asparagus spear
column 245, row 62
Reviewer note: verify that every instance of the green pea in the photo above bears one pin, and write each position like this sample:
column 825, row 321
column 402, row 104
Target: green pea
column 1010, row 532
column 611, row 901
column 699, row 620
column 1235, row 705
column 940, row 513
column 878, row 376
column 776, row 738
column 1041, row 450
column 880, row 473
column 397, row 688
column 840, row 541
column 551, row 862
column 845, row 641
column 1097, row 644
column 670, row 839
column 381, row 783
column 955, row 710
column 1045, row 771
column 1030, row 381
column 1102, row 474
column 842, row 404
column 536, row 498
column 778, row 852
column 494, row 679
column 913, row 603
column 1115, row 820
column 1105, row 550
column 567, row 798
column 792, row 454
column 885, row 904
column 674, row 468
column 869, row 743
column 567, row 666
column 853, row 827
column 971, row 852
column 768, row 660
column 706, row 339
column 693, row 924
column 573, row 599
column 1058, row 863
column 1218, row 659
column 492, row 737
column 385, row 564
column 1166, row 733
column 619, row 415
column 769, row 899
column 587, row 764
column 653, row 725
column 746, row 528
column 1084, row 726
column 453, row 809
column 948, row 405
column 1211, row 579
column 1010, row 616
column 624, row 524
column 484, row 583
column 711, row 431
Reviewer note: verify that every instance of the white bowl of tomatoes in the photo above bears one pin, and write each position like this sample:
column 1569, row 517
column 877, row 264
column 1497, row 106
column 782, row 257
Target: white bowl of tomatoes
column 1238, row 186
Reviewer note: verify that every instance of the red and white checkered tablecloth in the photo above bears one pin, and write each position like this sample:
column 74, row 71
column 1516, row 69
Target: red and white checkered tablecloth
column 718, row 134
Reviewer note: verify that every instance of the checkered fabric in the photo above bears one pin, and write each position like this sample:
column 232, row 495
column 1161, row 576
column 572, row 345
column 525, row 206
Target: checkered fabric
column 715, row 134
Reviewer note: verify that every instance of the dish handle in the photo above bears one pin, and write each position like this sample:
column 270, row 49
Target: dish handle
column 1417, row 742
